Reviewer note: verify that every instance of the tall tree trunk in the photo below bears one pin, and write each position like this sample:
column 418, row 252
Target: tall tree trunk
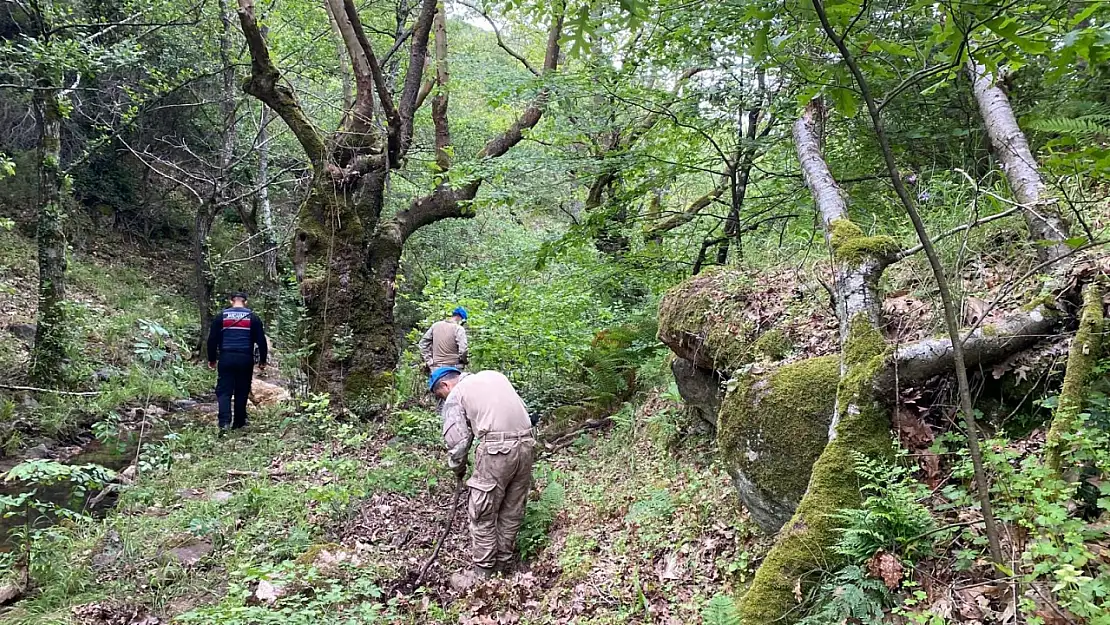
column 204, row 278
column 269, row 240
column 439, row 102
column 208, row 210
column 341, row 54
column 48, row 355
column 1022, row 173
column 860, row 424
column 857, row 258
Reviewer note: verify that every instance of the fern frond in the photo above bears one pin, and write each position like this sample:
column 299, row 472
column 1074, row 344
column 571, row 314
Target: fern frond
column 1086, row 126
column 721, row 610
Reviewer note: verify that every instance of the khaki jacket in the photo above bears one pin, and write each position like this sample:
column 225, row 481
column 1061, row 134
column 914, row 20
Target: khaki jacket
column 443, row 345
column 481, row 403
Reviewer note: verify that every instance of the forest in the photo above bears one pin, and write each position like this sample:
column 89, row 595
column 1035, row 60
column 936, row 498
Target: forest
column 805, row 299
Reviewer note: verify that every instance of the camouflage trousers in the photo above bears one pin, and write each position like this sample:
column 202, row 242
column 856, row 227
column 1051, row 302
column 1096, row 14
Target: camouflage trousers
column 499, row 490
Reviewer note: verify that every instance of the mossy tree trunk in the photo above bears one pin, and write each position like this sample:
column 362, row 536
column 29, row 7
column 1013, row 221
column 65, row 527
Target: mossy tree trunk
column 1085, row 350
column 801, row 549
column 346, row 255
column 48, row 355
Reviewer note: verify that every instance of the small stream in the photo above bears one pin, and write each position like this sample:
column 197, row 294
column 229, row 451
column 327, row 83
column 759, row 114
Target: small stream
column 63, row 495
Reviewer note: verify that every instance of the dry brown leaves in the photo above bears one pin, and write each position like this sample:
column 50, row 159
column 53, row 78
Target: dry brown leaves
column 887, row 567
column 113, row 613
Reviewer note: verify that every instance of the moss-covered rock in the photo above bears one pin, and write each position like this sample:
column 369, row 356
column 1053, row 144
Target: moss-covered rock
column 718, row 319
column 802, row 545
column 771, row 430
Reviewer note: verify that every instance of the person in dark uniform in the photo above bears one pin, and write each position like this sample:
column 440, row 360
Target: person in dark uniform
column 231, row 342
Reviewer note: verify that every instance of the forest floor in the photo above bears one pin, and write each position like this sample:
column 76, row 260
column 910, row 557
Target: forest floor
column 302, row 519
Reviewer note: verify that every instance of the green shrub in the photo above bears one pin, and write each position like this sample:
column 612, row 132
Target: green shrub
column 539, row 516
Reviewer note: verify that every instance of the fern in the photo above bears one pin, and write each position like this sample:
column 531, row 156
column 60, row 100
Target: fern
column 721, row 610
column 539, row 516
column 1087, row 126
column 891, row 517
column 849, row 596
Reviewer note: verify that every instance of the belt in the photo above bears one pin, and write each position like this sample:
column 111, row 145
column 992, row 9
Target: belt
column 497, row 437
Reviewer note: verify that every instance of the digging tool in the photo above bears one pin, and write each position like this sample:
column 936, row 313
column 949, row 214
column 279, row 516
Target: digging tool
column 460, row 487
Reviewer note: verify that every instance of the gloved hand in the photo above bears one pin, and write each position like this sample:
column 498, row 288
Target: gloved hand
column 460, row 471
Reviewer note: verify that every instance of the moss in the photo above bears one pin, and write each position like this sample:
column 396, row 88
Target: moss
column 851, row 246
column 313, row 552
column 772, row 345
column 1082, row 356
column 709, row 313
column 774, row 427
column 990, row 330
column 802, row 545
column 1045, row 299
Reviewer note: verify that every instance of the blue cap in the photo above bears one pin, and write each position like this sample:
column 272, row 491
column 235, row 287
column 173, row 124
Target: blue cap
column 461, row 312
column 438, row 374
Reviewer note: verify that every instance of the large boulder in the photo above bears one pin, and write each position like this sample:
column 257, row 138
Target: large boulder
column 724, row 319
column 771, row 428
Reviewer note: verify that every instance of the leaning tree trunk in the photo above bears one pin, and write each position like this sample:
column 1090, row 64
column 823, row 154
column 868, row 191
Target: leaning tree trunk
column 1041, row 213
column 49, row 352
column 859, row 424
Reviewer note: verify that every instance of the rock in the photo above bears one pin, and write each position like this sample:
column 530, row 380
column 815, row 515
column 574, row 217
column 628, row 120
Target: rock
column 38, row 452
column 103, row 375
column 127, row 476
column 267, row 593
column 700, row 389
column 111, row 548
column 266, row 394
column 192, row 552
column 221, row 496
column 150, row 412
column 181, row 405
column 10, row 592
column 771, row 429
column 23, row 331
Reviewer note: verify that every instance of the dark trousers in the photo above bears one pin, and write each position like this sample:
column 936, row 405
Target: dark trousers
column 234, row 383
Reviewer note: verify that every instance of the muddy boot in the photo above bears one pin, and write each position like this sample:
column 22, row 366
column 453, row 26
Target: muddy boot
column 467, row 579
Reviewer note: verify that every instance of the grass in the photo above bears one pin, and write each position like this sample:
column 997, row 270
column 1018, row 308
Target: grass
column 296, row 489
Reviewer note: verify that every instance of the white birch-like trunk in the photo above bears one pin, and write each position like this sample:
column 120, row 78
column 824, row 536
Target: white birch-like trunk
column 1021, row 169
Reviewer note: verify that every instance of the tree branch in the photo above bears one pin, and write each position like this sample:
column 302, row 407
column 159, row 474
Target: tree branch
column 265, row 84
column 500, row 42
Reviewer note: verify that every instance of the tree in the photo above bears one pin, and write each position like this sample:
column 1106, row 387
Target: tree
column 347, row 250
column 59, row 50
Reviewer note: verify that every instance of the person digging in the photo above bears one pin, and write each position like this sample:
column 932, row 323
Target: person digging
column 231, row 343
column 445, row 343
column 486, row 407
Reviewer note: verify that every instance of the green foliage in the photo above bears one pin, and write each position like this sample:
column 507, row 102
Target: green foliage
column 1059, row 551
column 720, row 610
column 891, row 517
column 539, row 516
column 849, row 596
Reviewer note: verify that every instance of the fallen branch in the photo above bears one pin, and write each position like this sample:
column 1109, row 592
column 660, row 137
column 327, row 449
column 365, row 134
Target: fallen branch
column 566, row 439
column 36, row 389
